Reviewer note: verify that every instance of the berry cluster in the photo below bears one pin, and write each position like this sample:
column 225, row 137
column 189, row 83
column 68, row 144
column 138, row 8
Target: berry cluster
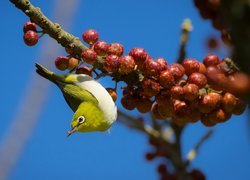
column 164, row 172
column 30, row 36
column 210, row 9
column 185, row 93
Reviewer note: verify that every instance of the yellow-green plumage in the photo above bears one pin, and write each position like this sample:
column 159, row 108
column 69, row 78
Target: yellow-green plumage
column 87, row 98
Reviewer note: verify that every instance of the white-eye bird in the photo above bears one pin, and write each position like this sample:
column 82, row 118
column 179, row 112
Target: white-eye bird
column 93, row 106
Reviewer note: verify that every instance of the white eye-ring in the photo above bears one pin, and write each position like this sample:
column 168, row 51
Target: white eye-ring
column 81, row 119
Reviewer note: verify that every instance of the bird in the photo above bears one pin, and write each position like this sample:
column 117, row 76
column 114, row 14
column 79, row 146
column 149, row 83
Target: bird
column 93, row 107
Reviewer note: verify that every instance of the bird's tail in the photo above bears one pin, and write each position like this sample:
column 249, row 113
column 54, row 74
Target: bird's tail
column 47, row 74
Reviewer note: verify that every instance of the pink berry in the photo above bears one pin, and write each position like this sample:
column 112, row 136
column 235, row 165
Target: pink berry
column 90, row 36
column 127, row 64
column 111, row 63
column 29, row 26
column 30, row 38
column 89, row 56
column 101, row 48
column 116, row 49
column 62, row 62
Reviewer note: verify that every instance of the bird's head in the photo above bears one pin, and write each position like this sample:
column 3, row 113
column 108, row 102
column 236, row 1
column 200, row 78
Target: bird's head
column 88, row 118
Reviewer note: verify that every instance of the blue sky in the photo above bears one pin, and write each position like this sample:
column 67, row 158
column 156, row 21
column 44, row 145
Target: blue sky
column 153, row 25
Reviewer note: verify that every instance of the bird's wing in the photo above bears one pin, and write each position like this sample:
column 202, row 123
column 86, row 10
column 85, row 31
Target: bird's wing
column 75, row 95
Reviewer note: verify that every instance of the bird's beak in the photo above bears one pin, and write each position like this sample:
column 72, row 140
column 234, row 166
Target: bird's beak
column 74, row 129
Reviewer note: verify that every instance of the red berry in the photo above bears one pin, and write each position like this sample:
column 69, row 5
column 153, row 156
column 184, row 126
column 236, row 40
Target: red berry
column 240, row 107
column 62, row 62
column 177, row 70
column 209, row 102
column 30, row 38
column 176, row 92
column 116, row 49
column 90, row 36
column 101, row 48
column 127, row 64
column 191, row 66
column 128, row 102
column 180, row 107
column 197, row 78
column 211, row 60
column 112, row 93
column 216, row 78
column 139, row 55
column 151, row 68
column 144, row 104
column 191, row 91
column 162, row 62
column 150, row 87
column 111, row 63
column 89, row 56
column 218, row 116
column 202, row 68
column 84, row 70
column 150, row 156
column 73, row 63
column 197, row 175
column 238, row 83
column 29, row 26
column 206, row 121
column 229, row 102
column 162, row 169
column 166, row 79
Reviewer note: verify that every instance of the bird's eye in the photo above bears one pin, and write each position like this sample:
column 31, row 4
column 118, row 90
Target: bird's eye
column 81, row 119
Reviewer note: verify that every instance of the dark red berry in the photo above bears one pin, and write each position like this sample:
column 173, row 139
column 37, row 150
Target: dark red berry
column 111, row 63
column 240, row 107
column 112, row 93
column 190, row 66
column 197, row 175
column 150, row 87
column 191, row 91
column 166, row 79
column 84, row 70
column 162, row 62
column 229, row 102
column 128, row 90
column 89, row 56
column 206, row 121
column 30, row 38
column 211, row 60
column 150, row 156
column 209, row 102
column 128, row 102
column 101, row 48
column 62, row 62
column 177, row 70
column 176, row 92
column 29, row 26
column 127, row 64
column 151, row 68
column 90, row 36
column 116, row 49
column 144, row 104
column 218, row 116
column 139, row 55
column 197, row 78
column 156, row 113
